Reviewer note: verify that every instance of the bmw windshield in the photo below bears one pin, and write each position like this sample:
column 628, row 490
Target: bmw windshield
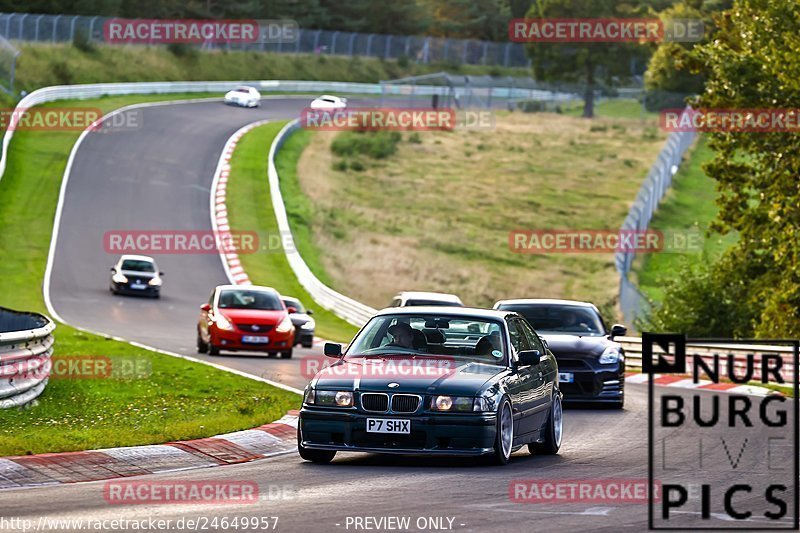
column 472, row 339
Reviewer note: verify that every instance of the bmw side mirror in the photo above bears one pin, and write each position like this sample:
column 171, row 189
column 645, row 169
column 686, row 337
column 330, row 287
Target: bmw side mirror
column 114, row 270
column 529, row 357
column 332, row 349
column 618, row 330
column 205, row 307
column 309, row 312
column 160, row 273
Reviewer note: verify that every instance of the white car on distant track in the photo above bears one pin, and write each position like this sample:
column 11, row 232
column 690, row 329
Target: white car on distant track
column 415, row 298
column 327, row 101
column 243, row 96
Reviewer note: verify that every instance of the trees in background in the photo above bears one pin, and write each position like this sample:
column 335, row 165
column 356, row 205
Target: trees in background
column 586, row 63
column 466, row 19
column 672, row 73
column 753, row 61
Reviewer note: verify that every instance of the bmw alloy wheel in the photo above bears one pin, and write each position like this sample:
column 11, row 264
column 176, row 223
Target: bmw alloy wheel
column 506, row 430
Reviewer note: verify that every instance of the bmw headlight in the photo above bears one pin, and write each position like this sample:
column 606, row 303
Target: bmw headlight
column 119, row 278
column 452, row 403
column 309, row 325
column 610, row 356
column 330, row 398
column 223, row 323
column 483, row 405
column 285, row 326
column 310, row 396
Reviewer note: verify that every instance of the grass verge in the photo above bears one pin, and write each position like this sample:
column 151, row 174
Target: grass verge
column 689, row 205
column 175, row 400
column 437, row 214
column 41, row 65
column 250, row 209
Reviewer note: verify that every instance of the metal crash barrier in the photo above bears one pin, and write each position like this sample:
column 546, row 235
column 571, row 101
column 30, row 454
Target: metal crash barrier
column 26, row 346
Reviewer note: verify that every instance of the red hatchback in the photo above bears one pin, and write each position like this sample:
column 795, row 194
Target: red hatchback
column 245, row 318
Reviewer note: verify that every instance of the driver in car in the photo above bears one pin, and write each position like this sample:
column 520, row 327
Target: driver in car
column 402, row 335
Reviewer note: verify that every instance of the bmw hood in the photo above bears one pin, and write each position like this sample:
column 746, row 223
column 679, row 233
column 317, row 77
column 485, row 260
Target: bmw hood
column 413, row 375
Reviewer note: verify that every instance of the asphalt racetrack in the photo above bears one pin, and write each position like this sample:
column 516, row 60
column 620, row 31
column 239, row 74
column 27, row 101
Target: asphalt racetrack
column 158, row 177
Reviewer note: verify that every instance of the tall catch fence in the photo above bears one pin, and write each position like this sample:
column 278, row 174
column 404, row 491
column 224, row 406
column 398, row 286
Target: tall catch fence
column 419, row 49
column 632, row 302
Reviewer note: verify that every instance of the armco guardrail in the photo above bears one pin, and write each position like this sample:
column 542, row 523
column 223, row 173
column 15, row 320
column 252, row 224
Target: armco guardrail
column 26, row 345
column 633, row 355
column 354, row 312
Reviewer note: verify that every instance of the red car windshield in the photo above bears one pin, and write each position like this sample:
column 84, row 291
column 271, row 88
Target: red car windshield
column 245, row 299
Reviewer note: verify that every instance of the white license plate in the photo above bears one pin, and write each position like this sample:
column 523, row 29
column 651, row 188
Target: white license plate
column 138, row 286
column 386, row 425
column 566, row 377
column 255, row 339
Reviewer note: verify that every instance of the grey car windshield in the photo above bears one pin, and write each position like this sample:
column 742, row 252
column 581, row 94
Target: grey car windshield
column 137, row 265
column 294, row 303
column 564, row 319
column 472, row 339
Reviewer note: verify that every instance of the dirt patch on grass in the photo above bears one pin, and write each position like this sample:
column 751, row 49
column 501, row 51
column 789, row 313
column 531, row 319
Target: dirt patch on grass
column 437, row 214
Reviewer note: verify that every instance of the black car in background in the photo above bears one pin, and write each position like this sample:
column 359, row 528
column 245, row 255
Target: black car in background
column 304, row 325
column 591, row 365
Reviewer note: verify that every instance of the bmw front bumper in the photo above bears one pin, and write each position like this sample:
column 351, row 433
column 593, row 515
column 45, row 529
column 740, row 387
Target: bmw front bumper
column 431, row 434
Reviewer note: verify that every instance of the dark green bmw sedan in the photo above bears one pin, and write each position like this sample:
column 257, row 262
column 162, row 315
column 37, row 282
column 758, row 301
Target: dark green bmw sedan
column 435, row 381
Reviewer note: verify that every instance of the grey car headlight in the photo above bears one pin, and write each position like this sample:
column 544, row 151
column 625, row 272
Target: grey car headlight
column 611, row 355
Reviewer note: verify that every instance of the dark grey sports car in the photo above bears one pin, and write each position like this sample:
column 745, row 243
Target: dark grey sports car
column 591, row 365
column 435, row 381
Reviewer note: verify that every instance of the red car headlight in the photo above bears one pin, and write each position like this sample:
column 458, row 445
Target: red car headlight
column 223, row 323
column 285, row 325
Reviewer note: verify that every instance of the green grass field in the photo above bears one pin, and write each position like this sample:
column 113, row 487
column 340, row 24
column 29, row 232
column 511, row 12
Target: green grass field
column 618, row 108
column 250, row 209
column 437, row 214
column 41, row 65
column 178, row 400
column 689, row 205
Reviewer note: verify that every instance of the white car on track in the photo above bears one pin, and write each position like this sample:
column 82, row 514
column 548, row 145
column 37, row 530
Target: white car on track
column 327, row 101
column 243, row 96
